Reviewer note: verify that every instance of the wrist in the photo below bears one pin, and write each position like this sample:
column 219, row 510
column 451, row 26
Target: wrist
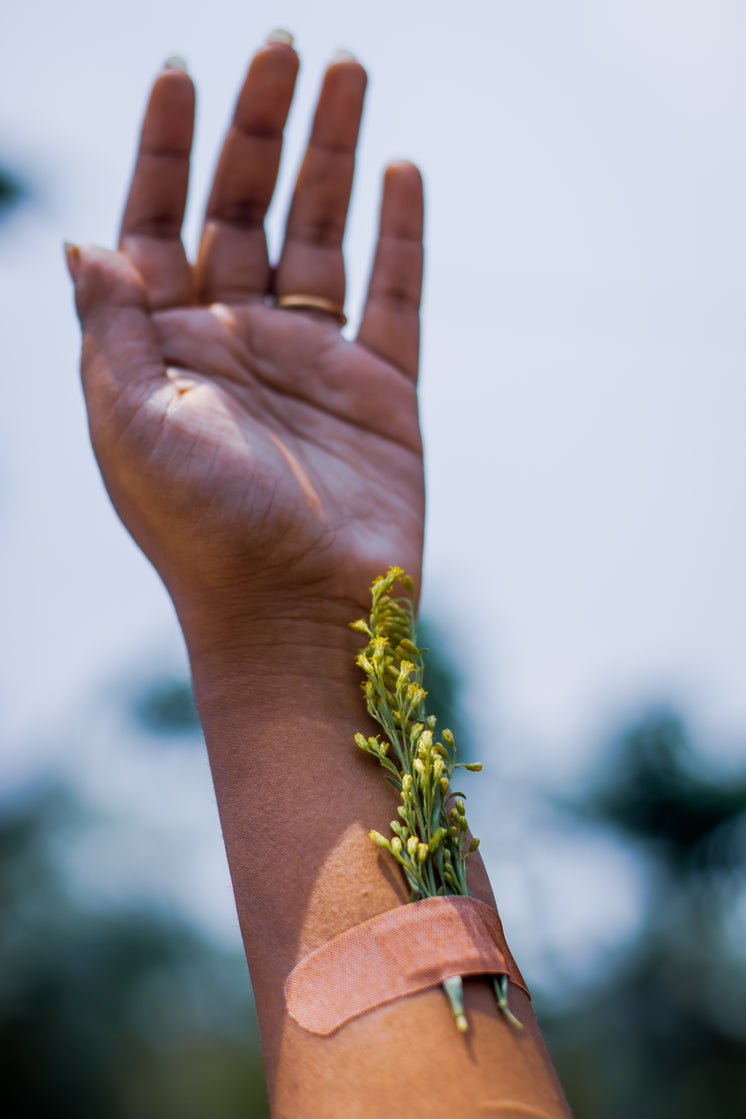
column 255, row 649
column 247, row 615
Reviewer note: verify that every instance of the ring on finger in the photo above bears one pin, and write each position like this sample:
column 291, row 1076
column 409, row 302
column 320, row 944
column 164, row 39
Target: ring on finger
column 301, row 301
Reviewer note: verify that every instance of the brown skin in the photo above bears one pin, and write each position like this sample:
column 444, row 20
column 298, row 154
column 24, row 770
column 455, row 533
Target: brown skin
column 270, row 469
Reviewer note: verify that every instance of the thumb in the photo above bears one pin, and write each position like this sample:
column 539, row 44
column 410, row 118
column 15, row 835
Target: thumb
column 120, row 346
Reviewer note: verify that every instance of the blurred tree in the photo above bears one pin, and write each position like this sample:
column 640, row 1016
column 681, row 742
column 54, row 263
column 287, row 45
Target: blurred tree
column 166, row 707
column 12, row 191
column 121, row 1012
column 444, row 685
column 665, row 1033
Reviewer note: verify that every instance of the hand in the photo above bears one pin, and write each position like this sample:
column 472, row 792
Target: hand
column 259, row 459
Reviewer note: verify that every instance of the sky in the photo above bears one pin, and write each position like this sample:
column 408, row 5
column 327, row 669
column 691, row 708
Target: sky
column 583, row 384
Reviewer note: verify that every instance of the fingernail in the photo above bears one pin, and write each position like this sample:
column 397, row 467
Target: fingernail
column 175, row 62
column 72, row 258
column 280, row 36
column 343, row 56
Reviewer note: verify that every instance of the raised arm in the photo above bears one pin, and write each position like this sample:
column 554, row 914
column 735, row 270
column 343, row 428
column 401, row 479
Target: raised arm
column 270, row 469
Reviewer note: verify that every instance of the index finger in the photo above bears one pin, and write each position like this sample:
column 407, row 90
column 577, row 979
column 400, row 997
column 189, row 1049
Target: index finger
column 151, row 226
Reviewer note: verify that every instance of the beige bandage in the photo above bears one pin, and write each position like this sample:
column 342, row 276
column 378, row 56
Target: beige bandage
column 395, row 954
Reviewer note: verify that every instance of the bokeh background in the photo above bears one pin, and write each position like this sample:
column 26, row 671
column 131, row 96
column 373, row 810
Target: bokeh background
column 583, row 399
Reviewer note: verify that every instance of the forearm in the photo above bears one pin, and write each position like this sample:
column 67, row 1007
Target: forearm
column 296, row 798
column 280, row 702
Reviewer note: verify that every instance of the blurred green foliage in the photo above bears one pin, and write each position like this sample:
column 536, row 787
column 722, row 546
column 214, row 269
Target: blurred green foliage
column 12, row 191
column 664, row 1033
column 121, row 1012
column 444, row 683
column 166, row 707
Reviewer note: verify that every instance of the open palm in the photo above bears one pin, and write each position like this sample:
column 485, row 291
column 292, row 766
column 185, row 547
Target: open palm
column 245, row 445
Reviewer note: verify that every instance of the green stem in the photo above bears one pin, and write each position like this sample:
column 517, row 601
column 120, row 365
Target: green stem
column 454, row 988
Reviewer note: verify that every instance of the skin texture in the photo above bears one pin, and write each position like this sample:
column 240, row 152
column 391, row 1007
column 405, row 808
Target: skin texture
column 270, row 469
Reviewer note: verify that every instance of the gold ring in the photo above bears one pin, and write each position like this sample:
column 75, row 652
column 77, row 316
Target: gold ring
column 297, row 301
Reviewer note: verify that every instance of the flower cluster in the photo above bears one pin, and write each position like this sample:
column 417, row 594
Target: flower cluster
column 429, row 840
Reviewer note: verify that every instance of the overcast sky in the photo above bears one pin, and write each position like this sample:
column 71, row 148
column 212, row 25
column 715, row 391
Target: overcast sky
column 583, row 388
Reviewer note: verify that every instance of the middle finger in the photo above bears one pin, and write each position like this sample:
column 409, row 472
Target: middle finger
column 233, row 262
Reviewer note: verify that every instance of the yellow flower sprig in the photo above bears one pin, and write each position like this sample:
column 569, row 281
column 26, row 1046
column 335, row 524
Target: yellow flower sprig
column 429, row 839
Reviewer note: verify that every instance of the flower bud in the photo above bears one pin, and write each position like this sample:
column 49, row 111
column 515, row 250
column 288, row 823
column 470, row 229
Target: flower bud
column 473, row 845
column 419, row 765
column 379, row 839
column 438, row 767
column 412, row 845
column 404, row 670
column 396, row 845
column 406, row 782
column 475, row 767
column 361, row 741
column 391, row 676
column 444, row 786
column 415, row 695
column 431, row 722
column 422, row 852
column 447, row 737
